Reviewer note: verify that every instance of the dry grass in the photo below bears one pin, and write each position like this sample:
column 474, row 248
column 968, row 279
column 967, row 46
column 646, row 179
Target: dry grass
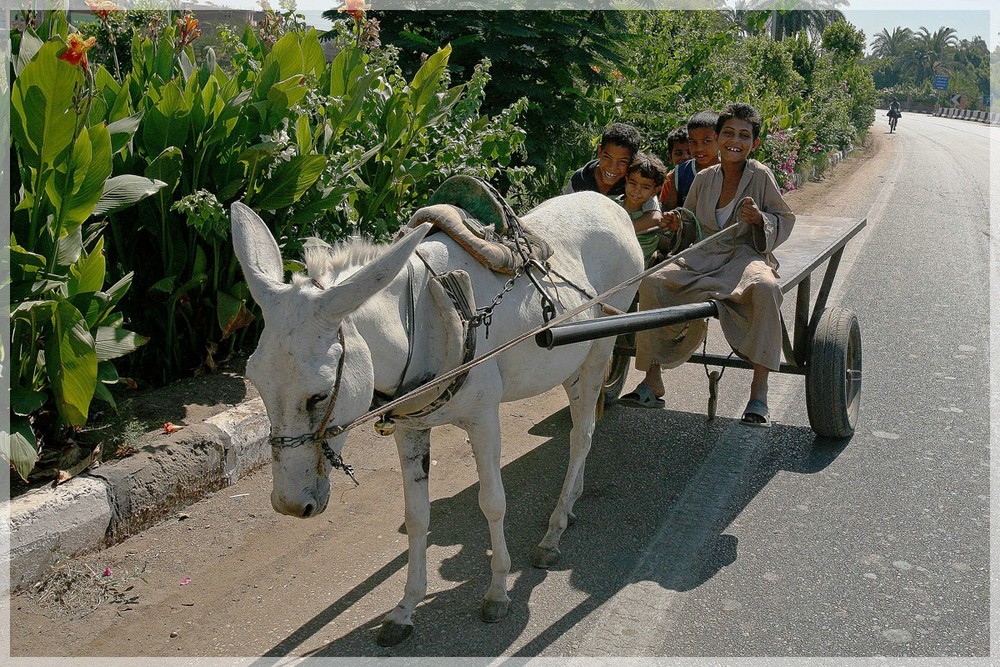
column 76, row 588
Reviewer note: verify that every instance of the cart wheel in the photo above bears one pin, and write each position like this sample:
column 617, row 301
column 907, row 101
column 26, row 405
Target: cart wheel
column 615, row 376
column 833, row 377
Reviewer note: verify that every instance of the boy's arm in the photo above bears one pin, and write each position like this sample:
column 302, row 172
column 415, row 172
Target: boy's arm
column 651, row 216
column 776, row 218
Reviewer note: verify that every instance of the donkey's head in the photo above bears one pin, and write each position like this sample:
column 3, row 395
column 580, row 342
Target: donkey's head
column 308, row 356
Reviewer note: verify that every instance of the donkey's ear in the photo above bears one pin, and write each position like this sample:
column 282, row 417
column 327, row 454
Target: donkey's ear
column 343, row 299
column 258, row 254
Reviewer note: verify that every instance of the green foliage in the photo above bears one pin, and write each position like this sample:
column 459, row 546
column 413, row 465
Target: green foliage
column 552, row 59
column 320, row 149
column 844, row 40
column 65, row 328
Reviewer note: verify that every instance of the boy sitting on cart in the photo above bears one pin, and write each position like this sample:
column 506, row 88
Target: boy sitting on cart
column 736, row 269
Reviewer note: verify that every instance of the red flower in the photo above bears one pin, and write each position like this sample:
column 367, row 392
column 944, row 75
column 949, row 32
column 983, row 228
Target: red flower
column 169, row 427
column 355, row 8
column 76, row 50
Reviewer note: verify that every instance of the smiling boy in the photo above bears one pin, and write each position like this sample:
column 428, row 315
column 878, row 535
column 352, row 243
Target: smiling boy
column 606, row 174
column 703, row 146
column 642, row 183
column 737, row 270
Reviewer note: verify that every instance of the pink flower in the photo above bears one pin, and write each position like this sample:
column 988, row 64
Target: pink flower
column 107, row 572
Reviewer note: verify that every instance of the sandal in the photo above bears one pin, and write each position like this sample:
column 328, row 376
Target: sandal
column 756, row 408
column 642, row 397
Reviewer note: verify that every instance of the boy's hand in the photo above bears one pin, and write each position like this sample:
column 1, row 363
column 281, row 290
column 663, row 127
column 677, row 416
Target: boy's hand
column 751, row 214
column 671, row 221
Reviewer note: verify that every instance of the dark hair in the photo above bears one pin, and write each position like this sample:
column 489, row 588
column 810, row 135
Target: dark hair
column 648, row 166
column 707, row 118
column 624, row 135
column 742, row 111
column 678, row 135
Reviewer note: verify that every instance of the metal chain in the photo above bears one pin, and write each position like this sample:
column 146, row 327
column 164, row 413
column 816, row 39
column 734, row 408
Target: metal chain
column 484, row 315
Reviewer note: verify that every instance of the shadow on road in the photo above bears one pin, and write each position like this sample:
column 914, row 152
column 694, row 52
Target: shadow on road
column 661, row 488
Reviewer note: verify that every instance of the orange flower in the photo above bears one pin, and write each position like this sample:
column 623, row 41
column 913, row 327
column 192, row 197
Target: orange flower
column 189, row 30
column 355, row 8
column 102, row 8
column 76, row 50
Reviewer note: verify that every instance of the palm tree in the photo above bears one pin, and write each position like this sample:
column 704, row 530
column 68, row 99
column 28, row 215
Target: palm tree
column 930, row 53
column 789, row 17
column 886, row 45
column 744, row 17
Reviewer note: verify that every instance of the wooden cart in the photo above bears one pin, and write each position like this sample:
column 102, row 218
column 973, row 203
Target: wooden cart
column 824, row 344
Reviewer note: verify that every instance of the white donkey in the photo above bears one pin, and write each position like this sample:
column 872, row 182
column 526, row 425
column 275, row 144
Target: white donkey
column 364, row 318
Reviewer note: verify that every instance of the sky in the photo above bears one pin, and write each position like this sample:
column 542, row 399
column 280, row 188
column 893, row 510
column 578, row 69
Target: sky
column 970, row 18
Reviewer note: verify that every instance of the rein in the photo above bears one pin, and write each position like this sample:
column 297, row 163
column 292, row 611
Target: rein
column 325, row 433
column 335, row 430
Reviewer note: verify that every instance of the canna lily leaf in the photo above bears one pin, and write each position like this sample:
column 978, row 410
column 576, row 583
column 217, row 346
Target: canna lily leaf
column 94, row 182
column 123, row 191
column 43, row 119
column 112, row 342
column 87, row 273
column 24, row 401
column 289, row 181
column 123, row 130
column 71, row 364
column 19, row 446
column 30, row 44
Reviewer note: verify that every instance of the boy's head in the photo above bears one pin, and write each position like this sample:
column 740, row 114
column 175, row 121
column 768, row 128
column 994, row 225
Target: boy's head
column 619, row 144
column 741, row 111
column 644, row 179
column 703, row 138
column 677, row 146
column 739, row 132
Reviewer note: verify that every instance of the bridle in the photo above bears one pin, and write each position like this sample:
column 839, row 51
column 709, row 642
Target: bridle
column 322, row 434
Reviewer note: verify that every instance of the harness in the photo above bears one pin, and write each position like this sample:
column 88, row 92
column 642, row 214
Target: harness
column 457, row 376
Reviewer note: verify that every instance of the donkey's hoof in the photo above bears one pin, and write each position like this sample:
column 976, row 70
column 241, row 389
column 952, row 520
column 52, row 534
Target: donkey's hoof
column 570, row 519
column 494, row 610
column 392, row 633
column 544, row 557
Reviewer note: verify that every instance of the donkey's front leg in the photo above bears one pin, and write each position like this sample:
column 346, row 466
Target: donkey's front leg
column 414, row 460
column 583, row 390
column 484, row 435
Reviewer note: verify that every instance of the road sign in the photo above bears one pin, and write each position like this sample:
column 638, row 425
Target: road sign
column 940, row 83
column 956, row 98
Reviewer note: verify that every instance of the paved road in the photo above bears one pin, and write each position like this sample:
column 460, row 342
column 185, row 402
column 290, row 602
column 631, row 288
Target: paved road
column 695, row 538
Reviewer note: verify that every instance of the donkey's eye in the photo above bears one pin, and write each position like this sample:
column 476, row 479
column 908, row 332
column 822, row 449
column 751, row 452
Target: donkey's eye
column 315, row 400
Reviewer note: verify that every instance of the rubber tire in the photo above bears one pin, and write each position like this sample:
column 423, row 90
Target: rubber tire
column 615, row 376
column 833, row 376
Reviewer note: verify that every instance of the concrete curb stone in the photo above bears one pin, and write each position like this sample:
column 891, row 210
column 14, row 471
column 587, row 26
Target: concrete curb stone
column 109, row 503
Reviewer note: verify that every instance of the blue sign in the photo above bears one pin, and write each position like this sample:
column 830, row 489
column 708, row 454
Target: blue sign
column 940, row 83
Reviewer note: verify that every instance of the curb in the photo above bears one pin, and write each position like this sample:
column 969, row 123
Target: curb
column 108, row 504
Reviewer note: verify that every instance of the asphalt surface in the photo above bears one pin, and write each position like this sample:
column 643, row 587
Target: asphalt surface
column 695, row 537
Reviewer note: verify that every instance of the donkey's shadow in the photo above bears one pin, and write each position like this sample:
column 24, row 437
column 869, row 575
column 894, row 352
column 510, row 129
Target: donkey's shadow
column 658, row 496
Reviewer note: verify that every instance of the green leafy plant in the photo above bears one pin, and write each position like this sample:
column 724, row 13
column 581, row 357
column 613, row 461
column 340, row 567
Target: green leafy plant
column 65, row 328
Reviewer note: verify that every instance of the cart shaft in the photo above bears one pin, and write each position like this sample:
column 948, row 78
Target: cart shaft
column 613, row 325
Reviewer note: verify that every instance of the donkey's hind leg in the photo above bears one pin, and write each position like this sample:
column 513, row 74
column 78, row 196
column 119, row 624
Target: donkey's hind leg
column 583, row 389
column 414, row 460
column 484, row 436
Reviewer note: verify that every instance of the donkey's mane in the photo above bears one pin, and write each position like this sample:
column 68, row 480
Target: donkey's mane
column 328, row 264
